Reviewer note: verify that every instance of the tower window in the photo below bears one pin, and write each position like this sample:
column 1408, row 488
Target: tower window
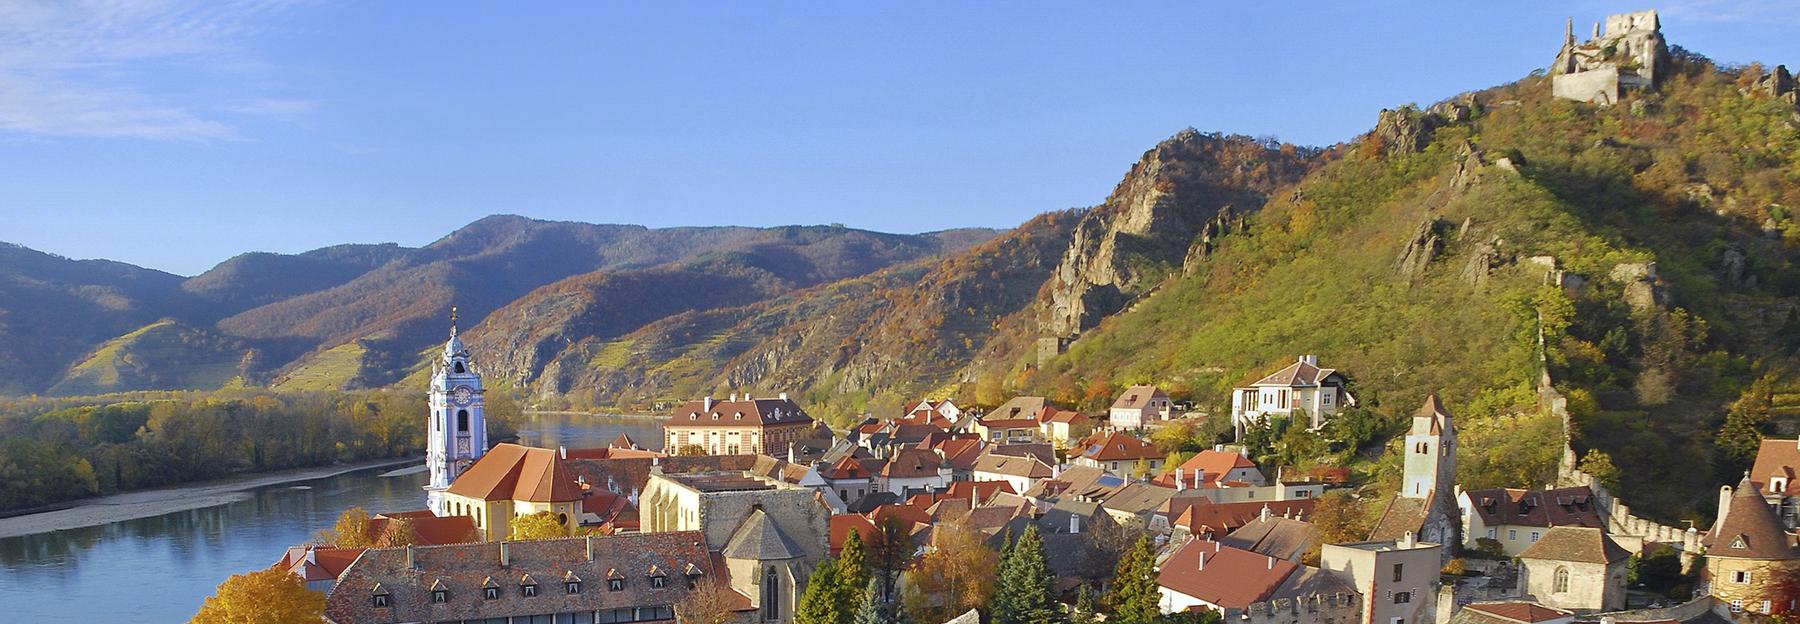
column 462, row 421
column 460, row 369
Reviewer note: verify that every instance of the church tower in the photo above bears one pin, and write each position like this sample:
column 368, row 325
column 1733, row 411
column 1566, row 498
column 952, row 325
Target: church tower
column 458, row 427
column 1431, row 454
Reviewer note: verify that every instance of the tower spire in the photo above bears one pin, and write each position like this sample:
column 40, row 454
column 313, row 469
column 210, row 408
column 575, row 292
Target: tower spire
column 452, row 321
column 1569, row 32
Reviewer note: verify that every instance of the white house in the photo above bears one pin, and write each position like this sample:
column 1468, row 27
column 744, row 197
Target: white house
column 1302, row 390
column 1139, row 406
column 1022, row 471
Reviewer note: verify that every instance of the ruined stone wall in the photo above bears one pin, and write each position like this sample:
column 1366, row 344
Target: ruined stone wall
column 1341, row 608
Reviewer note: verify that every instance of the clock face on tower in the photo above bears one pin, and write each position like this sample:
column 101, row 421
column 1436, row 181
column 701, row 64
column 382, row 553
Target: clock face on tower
column 462, row 395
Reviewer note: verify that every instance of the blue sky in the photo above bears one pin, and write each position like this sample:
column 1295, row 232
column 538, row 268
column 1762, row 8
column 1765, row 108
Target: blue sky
column 174, row 133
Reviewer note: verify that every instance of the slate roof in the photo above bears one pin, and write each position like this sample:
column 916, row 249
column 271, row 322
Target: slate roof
column 1018, row 407
column 1539, row 508
column 1139, row 498
column 910, row 463
column 1577, row 544
column 1403, row 515
column 1229, row 577
column 1042, row 451
column 759, row 539
column 1300, row 374
column 741, row 413
column 1749, row 529
column 1077, row 481
column 463, row 569
column 520, row 473
column 1284, row 538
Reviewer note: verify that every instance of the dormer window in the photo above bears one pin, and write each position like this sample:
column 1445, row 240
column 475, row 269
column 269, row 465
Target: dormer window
column 1739, row 542
column 439, row 596
column 715, row 416
column 657, row 578
column 574, row 587
column 1778, row 485
column 694, row 416
column 490, row 590
column 617, row 584
column 380, row 597
column 528, row 591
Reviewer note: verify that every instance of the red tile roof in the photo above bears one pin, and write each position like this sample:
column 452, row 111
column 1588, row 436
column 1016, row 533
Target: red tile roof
column 428, row 528
column 1209, row 463
column 513, row 472
column 1777, row 458
column 843, row 524
column 1224, row 576
column 847, row 467
column 1202, row 516
column 1117, row 447
column 1520, row 611
column 911, row 463
column 1538, row 508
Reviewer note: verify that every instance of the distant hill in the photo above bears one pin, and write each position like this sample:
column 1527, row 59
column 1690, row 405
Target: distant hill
column 165, row 355
column 54, row 309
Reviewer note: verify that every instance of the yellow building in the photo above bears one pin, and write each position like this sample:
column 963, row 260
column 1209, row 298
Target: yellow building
column 1748, row 553
column 511, row 481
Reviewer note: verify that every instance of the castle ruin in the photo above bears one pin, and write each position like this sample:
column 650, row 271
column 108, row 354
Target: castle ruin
column 1629, row 54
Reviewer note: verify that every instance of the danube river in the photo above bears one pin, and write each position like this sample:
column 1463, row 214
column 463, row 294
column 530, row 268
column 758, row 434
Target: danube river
column 159, row 569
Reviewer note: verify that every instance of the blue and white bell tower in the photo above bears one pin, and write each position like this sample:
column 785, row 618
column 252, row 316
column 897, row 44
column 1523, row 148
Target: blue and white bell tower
column 458, row 426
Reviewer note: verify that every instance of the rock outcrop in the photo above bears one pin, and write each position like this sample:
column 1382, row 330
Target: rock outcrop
column 1148, row 227
column 1421, row 248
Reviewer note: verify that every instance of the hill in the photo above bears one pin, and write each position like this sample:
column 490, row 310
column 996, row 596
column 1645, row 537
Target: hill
column 165, row 355
column 54, row 309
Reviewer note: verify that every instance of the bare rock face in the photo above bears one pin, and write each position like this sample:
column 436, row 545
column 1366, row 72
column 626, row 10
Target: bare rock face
column 1643, row 289
column 1404, row 130
column 1421, row 249
column 1180, row 191
column 1736, row 266
column 1482, row 262
column 1778, row 84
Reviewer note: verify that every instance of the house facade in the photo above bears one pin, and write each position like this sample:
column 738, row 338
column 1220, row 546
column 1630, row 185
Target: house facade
column 1117, row 453
column 1575, row 568
column 1398, row 579
column 1302, row 393
column 1516, row 519
column 737, row 426
column 1140, row 406
column 512, row 481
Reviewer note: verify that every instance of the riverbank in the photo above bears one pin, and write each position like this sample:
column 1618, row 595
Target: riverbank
column 147, row 503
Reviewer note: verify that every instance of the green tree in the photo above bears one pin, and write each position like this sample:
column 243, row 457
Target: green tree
column 542, row 525
column 1135, row 597
column 1026, row 593
column 1600, row 465
column 823, row 601
column 853, row 572
column 1085, row 610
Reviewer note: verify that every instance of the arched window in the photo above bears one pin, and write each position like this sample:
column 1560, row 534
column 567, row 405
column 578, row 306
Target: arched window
column 1560, row 582
column 462, row 421
column 460, row 369
column 771, row 595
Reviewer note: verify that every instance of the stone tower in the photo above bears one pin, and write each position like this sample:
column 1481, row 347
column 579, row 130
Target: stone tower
column 1431, row 454
column 457, row 425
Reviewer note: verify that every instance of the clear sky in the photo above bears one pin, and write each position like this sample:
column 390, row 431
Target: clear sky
column 174, row 134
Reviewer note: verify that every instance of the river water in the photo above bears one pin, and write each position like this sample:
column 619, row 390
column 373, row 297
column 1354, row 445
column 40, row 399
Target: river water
column 159, row 569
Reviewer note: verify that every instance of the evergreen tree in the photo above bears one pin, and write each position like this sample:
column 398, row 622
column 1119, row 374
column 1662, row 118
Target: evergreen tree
column 1027, row 589
column 822, row 603
column 853, row 574
column 1135, row 596
column 874, row 610
column 1085, row 612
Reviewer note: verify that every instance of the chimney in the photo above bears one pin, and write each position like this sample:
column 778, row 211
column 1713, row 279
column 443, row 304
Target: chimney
column 791, row 452
column 562, row 452
column 1199, row 476
column 1271, row 562
column 1406, row 540
column 1074, row 524
column 410, row 561
column 505, row 556
column 706, row 404
column 1179, row 485
column 783, row 396
column 1264, row 516
column 590, row 547
column 734, row 397
column 1724, row 505
column 1202, row 559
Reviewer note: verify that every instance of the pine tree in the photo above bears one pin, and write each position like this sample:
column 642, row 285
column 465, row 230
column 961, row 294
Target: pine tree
column 1085, row 612
column 1027, row 589
column 853, row 574
column 822, row 603
column 1135, row 596
column 874, row 610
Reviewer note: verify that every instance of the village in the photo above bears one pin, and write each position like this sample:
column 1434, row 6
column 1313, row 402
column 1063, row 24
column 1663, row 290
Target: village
column 750, row 501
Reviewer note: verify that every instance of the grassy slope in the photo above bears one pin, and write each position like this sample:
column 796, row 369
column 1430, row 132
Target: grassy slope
column 166, row 355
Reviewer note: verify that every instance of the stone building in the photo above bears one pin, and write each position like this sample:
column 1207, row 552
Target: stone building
column 1517, row 519
column 1575, row 568
column 737, row 426
column 1748, row 552
column 1426, row 504
column 1398, row 579
column 1629, row 54
column 769, row 533
column 637, row 577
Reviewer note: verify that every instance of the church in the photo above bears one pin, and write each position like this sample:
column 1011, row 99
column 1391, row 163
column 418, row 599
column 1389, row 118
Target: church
column 1426, row 505
column 457, row 434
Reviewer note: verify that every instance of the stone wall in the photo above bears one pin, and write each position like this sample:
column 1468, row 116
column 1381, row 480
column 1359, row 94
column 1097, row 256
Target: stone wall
column 1340, row 608
column 1679, row 613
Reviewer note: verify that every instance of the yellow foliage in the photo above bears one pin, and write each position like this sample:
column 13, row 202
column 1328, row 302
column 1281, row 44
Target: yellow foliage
column 542, row 525
column 271, row 596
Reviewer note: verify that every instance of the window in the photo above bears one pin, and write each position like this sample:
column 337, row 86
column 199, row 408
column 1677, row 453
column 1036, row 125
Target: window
column 771, row 598
column 1402, row 597
column 528, row 590
column 1740, row 576
column 1398, row 567
column 659, row 581
column 1737, row 606
column 1512, row 535
column 490, row 593
column 1492, row 532
column 581, row 617
column 462, row 421
column 439, row 596
column 574, row 587
column 1534, row 536
column 381, row 600
column 1765, row 607
column 1560, row 582
column 460, row 369
column 617, row 584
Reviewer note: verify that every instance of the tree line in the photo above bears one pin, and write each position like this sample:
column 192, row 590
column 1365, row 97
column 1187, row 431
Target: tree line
column 56, row 450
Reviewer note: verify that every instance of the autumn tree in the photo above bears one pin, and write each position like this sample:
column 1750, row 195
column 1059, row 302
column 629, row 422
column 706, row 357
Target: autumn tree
column 1135, row 597
column 542, row 525
column 956, row 575
column 1600, row 465
column 398, row 532
column 351, row 530
column 271, row 596
column 705, row 604
column 889, row 552
column 1339, row 520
